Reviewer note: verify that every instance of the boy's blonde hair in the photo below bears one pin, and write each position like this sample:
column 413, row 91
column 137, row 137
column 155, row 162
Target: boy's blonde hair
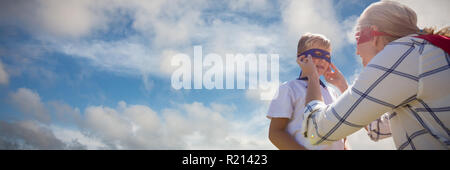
column 395, row 19
column 308, row 41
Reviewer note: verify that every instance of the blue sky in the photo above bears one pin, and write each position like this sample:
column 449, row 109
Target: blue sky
column 86, row 73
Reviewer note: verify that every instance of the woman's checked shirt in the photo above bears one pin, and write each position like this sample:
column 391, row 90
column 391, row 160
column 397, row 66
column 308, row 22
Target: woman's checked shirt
column 409, row 80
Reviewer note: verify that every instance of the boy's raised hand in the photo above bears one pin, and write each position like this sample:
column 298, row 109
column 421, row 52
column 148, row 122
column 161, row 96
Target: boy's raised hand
column 336, row 78
column 308, row 67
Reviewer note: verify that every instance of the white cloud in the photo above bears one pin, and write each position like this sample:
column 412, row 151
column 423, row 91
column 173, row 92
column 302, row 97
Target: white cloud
column 30, row 103
column 258, row 126
column 64, row 113
column 357, row 70
column 223, row 108
column 70, row 19
column 27, row 135
column 108, row 124
column 84, row 140
column 186, row 126
column 30, row 134
column 128, row 56
column 164, row 33
column 167, row 27
column 263, row 94
column 315, row 17
column 4, row 77
column 165, row 66
column 22, row 62
column 349, row 27
column 122, row 56
column 430, row 13
column 250, row 5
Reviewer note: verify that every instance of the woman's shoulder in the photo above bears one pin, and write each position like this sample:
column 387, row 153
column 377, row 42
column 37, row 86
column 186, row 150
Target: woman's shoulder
column 406, row 40
column 413, row 41
column 410, row 40
column 402, row 50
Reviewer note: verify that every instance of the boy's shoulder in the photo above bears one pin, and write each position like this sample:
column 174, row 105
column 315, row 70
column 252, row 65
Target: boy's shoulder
column 294, row 83
column 302, row 85
column 294, row 86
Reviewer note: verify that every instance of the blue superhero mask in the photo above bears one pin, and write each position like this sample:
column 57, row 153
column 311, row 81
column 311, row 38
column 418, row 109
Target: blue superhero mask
column 317, row 53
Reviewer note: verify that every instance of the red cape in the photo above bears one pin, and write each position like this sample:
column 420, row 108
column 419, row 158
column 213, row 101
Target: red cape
column 440, row 41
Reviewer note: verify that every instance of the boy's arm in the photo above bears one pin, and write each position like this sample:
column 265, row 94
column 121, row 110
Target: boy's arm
column 280, row 137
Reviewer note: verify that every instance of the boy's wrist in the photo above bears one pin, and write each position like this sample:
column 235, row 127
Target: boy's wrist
column 314, row 76
column 314, row 79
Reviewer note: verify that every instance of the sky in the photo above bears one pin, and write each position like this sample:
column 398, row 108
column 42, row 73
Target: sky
column 80, row 74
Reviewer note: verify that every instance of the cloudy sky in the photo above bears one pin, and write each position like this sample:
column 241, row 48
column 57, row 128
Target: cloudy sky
column 81, row 74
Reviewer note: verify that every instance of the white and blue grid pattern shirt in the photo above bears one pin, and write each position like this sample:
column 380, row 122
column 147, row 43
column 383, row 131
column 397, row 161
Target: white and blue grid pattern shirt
column 409, row 81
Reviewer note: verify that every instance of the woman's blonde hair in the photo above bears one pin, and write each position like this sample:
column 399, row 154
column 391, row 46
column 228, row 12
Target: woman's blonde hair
column 308, row 40
column 395, row 19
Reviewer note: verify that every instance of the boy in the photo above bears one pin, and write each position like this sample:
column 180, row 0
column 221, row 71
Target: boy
column 285, row 111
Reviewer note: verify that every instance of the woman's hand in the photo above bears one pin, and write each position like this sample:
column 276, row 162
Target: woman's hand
column 336, row 78
column 308, row 67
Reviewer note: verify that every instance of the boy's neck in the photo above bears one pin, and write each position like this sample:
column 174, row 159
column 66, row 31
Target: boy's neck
column 304, row 76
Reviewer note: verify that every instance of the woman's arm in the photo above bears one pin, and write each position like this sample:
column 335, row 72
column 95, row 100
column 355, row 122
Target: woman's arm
column 374, row 93
column 280, row 137
column 380, row 128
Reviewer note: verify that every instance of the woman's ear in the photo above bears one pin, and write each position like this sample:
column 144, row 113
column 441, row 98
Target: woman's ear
column 378, row 41
column 375, row 40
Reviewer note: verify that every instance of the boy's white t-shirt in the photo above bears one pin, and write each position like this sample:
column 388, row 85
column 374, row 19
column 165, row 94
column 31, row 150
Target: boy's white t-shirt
column 290, row 103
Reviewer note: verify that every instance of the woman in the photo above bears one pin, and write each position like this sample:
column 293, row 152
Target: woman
column 406, row 74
